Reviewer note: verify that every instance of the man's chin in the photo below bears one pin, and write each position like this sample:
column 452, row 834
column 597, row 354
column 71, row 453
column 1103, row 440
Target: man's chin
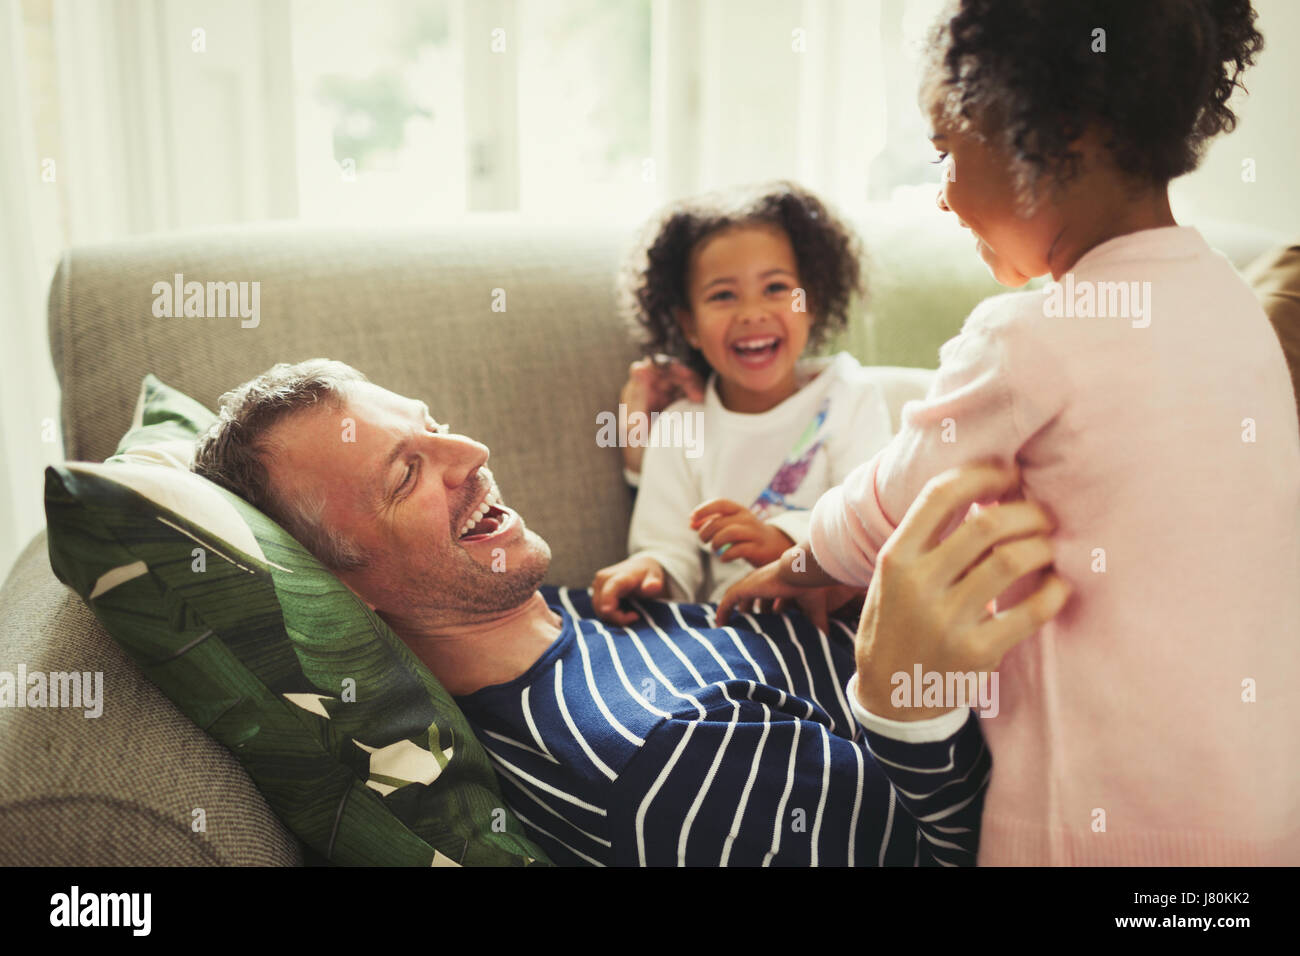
column 519, row 568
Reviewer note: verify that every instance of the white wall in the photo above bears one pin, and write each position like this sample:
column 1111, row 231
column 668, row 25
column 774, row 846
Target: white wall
column 1268, row 132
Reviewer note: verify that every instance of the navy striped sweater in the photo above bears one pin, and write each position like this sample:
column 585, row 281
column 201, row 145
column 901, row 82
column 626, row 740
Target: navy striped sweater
column 675, row 742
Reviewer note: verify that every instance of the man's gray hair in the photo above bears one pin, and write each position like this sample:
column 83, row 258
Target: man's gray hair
column 233, row 451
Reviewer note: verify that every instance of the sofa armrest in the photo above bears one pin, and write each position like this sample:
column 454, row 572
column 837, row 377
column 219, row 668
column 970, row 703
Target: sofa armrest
column 121, row 788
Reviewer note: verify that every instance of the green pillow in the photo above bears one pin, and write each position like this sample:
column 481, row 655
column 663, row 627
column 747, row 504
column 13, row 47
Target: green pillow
column 351, row 739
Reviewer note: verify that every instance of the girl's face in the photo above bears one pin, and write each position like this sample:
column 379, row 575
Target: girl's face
column 743, row 315
column 979, row 190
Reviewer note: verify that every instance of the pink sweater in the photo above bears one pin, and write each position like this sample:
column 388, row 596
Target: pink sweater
column 1132, row 710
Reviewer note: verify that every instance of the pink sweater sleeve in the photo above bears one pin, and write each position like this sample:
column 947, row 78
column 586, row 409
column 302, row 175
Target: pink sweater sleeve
column 994, row 389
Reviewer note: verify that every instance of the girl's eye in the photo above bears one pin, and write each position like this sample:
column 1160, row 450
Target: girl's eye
column 718, row 296
column 777, row 287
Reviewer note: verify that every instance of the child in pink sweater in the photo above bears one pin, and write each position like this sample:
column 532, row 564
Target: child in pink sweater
column 1146, row 400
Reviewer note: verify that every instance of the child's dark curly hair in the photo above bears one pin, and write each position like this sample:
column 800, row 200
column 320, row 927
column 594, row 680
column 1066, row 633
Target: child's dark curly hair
column 1027, row 70
column 654, row 283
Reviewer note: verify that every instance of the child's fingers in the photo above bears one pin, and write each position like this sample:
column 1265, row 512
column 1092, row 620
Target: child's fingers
column 715, row 526
column 653, row 582
column 724, row 608
column 620, row 617
column 609, row 590
column 687, row 380
column 734, row 531
column 715, row 506
column 735, row 596
column 813, row 606
column 744, row 525
column 743, row 551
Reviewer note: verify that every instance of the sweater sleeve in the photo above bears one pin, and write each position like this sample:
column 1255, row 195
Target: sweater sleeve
column 987, row 399
column 941, row 781
column 863, row 430
column 793, row 522
column 750, row 787
column 661, row 518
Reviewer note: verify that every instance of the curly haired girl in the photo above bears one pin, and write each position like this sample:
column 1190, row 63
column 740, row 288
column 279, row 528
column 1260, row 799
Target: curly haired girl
column 737, row 287
column 1145, row 398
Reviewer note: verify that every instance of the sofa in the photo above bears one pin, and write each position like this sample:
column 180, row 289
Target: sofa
column 510, row 333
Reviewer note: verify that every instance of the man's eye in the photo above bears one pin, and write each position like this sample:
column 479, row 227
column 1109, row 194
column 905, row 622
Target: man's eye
column 407, row 479
column 942, row 157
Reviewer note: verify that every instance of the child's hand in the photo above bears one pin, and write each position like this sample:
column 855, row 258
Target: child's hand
column 637, row 576
column 796, row 575
column 818, row 604
column 651, row 387
column 732, row 531
column 767, row 583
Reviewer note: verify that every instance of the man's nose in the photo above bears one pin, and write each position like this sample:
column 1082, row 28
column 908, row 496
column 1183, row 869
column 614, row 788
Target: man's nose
column 939, row 201
column 462, row 458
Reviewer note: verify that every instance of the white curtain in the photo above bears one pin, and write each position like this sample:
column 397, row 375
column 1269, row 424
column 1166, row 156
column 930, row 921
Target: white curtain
column 29, row 396
column 109, row 112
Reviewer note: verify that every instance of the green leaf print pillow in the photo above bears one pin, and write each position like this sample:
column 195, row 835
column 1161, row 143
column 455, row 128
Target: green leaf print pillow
column 353, row 742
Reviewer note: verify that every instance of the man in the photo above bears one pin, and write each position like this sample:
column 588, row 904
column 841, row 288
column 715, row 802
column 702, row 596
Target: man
column 671, row 741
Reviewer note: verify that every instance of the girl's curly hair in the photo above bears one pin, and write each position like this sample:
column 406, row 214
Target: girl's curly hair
column 654, row 283
column 1159, row 91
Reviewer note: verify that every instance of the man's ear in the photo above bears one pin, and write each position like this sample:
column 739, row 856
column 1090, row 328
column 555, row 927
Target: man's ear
column 686, row 321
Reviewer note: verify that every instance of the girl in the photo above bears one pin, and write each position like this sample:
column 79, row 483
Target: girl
column 1152, row 413
column 737, row 288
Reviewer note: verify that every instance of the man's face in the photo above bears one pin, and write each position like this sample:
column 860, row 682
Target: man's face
column 404, row 489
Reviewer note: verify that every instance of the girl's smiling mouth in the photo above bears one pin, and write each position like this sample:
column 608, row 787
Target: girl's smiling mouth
column 756, row 351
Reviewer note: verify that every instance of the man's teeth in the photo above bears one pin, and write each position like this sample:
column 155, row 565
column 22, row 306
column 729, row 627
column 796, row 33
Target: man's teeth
column 492, row 500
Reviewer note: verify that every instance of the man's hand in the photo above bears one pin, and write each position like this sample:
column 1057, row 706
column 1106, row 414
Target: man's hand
column 652, row 386
column 637, row 576
column 929, row 601
column 733, row 531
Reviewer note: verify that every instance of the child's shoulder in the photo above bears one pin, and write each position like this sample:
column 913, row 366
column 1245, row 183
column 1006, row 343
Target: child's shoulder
column 827, row 369
column 1005, row 312
column 845, row 373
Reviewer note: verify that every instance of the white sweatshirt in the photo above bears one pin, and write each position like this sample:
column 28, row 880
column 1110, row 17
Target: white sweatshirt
column 737, row 456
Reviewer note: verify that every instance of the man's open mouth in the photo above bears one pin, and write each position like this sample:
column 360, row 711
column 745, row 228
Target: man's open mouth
column 486, row 520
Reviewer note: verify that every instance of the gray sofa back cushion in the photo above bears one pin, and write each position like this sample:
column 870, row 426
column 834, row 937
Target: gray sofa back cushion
column 414, row 311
